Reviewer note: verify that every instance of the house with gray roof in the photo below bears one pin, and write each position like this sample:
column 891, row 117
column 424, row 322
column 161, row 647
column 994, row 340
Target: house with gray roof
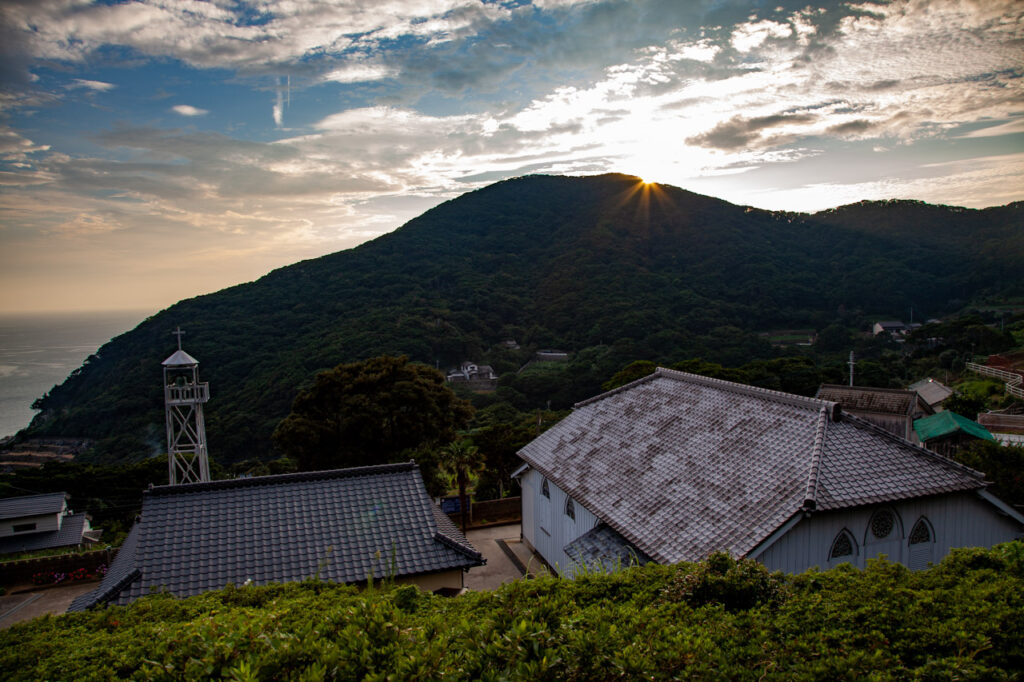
column 35, row 522
column 932, row 392
column 893, row 409
column 345, row 525
column 675, row 466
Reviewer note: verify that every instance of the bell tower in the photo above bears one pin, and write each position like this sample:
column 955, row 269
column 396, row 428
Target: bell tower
column 184, row 396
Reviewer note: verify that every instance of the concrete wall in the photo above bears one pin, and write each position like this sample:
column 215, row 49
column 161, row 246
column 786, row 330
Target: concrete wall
column 431, row 582
column 21, row 571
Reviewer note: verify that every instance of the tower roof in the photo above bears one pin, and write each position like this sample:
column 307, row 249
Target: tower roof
column 180, row 359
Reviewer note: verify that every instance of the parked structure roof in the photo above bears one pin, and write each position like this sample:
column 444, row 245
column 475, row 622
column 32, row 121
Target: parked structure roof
column 602, row 549
column 681, row 465
column 32, row 505
column 946, row 423
column 931, row 391
column 345, row 525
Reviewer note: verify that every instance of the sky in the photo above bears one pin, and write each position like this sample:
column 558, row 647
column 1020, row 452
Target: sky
column 155, row 150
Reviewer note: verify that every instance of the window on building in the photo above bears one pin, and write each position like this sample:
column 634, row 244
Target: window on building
column 544, row 490
column 23, row 527
column 570, row 508
column 921, row 533
column 842, row 546
column 882, row 523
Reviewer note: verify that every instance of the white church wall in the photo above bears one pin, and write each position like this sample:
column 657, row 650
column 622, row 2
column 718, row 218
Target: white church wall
column 958, row 520
column 545, row 525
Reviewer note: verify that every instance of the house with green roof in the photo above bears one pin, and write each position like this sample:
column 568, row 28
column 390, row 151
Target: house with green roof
column 946, row 432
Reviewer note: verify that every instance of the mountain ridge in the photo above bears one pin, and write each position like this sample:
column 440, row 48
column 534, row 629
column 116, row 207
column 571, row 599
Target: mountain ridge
column 578, row 263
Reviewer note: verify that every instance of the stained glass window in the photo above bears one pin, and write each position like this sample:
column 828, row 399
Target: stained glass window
column 921, row 533
column 882, row 523
column 841, row 546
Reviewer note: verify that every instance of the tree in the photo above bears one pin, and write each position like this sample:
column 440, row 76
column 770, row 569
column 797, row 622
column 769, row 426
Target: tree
column 1001, row 464
column 462, row 459
column 371, row 412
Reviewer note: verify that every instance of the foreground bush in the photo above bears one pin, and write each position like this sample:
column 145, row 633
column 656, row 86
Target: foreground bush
column 723, row 618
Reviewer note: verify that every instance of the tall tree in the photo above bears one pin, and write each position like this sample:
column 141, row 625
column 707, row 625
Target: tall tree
column 462, row 459
column 371, row 412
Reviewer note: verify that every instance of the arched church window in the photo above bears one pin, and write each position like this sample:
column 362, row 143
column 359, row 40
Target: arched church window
column 842, row 546
column 544, row 490
column 921, row 533
column 570, row 508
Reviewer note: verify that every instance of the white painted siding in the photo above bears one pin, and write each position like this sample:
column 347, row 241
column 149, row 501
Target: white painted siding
column 959, row 520
column 44, row 523
column 545, row 525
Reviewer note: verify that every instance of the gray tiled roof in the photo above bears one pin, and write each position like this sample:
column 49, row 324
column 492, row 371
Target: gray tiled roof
column 869, row 399
column 343, row 526
column 682, row 465
column 601, row 548
column 32, row 505
column 70, row 533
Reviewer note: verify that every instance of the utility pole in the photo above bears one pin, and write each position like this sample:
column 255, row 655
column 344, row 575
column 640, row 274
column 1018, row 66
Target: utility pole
column 851, row 363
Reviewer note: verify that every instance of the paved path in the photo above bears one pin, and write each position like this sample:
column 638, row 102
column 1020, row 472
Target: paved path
column 508, row 558
column 15, row 608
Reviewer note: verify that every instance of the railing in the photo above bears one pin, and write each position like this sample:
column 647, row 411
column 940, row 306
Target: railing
column 189, row 393
column 1012, row 379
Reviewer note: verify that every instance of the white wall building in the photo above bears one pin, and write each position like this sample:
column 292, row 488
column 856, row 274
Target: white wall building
column 675, row 466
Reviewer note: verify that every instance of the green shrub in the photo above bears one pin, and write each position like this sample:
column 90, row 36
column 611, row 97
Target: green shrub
column 723, row 618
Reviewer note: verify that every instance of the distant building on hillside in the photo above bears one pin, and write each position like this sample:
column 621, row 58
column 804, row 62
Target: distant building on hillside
column 477, row 377
column 35, row 522
column 552, row 355
column 893, row 328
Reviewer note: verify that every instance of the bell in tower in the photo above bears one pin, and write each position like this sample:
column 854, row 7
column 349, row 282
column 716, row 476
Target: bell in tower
column 184, row 396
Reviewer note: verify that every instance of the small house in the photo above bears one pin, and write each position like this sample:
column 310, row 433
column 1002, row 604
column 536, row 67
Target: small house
column 346, row 526
column 36, row 522
column 891, row 408
column 932, row 392
column 946, row 432
column 893, row 328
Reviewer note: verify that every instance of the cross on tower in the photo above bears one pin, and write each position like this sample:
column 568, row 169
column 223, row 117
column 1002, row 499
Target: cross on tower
column 177, row 332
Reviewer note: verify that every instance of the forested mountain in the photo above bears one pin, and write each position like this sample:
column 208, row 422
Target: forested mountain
column 604, row 266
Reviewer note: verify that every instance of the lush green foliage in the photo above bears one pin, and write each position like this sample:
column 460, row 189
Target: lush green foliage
column 1002, row 464
column 722, row 619
column 371, row 412
column 596, row 266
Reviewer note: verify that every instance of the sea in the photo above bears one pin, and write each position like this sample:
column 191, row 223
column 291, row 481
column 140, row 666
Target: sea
column 39, row 350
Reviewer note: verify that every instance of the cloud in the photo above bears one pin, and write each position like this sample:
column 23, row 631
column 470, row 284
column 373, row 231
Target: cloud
column 750, row 35
column 740, row 132
column 188, row 110
column 98, row 86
